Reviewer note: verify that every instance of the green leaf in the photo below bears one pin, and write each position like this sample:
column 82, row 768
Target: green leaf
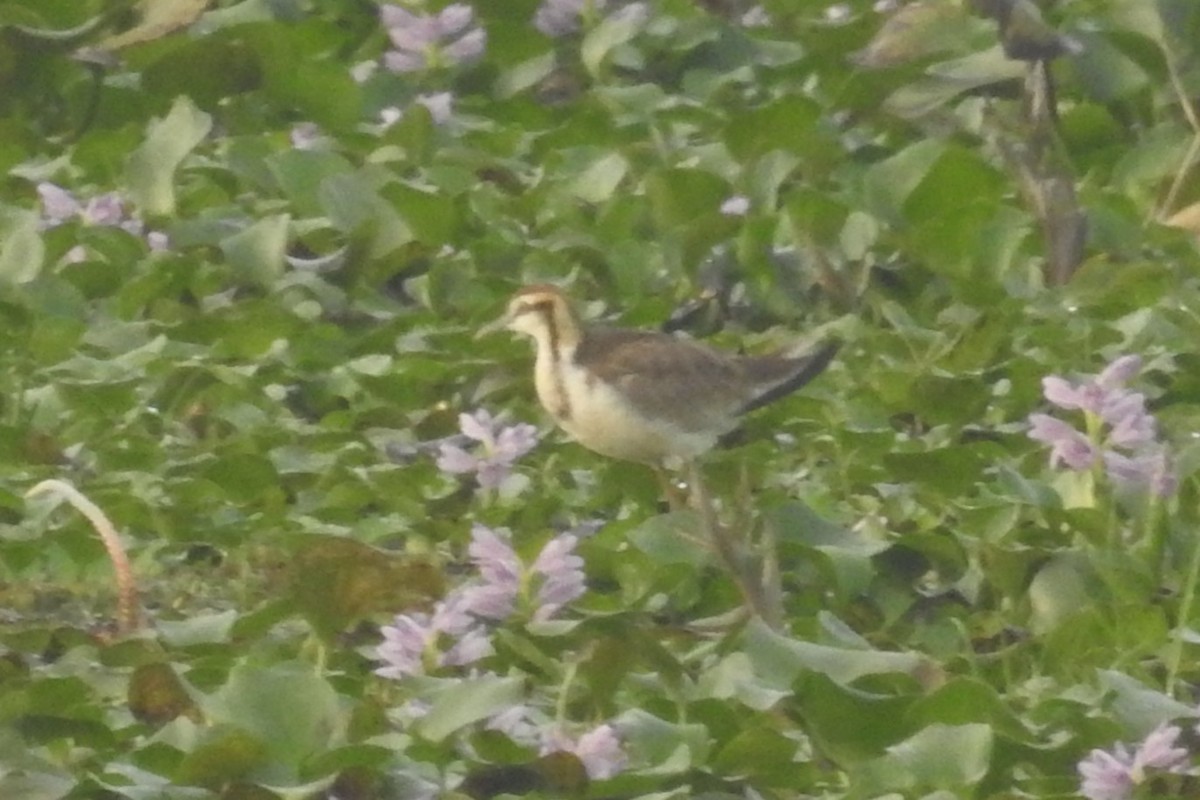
column 780, row 659
column 457, row 703
column 257, row 252
column 286, row 706
column 151, row 167
column 888, row 183
column 936, row 757
column 600, row 179
column 1058, row 591
column 671, row 539
column 21, row 248
column 612, row 32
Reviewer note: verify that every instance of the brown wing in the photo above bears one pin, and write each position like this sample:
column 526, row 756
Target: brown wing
column 664, row 376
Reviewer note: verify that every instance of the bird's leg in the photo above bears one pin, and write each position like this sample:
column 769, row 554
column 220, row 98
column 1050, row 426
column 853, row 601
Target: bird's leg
column 673, row 493
column 735, row 556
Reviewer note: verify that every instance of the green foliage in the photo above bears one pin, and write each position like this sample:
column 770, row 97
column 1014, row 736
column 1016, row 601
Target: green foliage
column 251, row 363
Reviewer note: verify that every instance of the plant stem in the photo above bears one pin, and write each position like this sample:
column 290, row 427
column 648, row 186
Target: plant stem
column 128, row 617
column 1185, row 607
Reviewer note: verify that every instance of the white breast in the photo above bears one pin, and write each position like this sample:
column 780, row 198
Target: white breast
column 600, row 417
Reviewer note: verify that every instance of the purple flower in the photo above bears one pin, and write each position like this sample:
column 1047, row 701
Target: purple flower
column 1123, row 434
column 500, row 569
column 562, row 17
column 1158, row 750
column 1130, row 424
column 1120, row 371
column 58, row 205
column 504, row 578
column 403, row 646
column 600, row 750
column 471, row 646
column 1113, row 776
column 1095, row 394
column 423, row 41
column 103, row 210
column 1064, row 394
column 1106, row 776
column 1148, row 470
column 502, row 445
column 410, row 644
column 1067, row 445
column 562, row 575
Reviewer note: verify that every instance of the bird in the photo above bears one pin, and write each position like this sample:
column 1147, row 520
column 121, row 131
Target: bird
column 640, row 395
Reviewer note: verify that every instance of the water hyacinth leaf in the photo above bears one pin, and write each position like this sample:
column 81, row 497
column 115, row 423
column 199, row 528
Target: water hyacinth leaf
column 158, row 18
column 1058, row 591
column 780, row 659
column 678, row 196
column 151, row 168
column 952, row 470
column 21, row 247
column 199, row 629
column 937, row 757
column 1139, row 707
column 600, row 179
column 302, row 173
column 760, row 753
column 671, row 747
column 888, row 183
column 733, row 677
column 612, row 32
column 965, row 700
column 257, row 252
column 287, row 706
column 458, row 703
column 223, row 754
column 848, row 724
column 944, row 83
column 917, row 31
column 185, row 70
column 794, row 124
column 670, row 539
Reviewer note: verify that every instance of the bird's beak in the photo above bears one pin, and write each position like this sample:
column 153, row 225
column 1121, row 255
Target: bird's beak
column 494, row 326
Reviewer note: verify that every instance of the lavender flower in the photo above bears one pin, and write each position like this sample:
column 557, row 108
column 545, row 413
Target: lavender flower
column 1121, row 433
column 563, row 17
column 1113, row 776
column 410, row 644
column 557, row 572
column 501, row 571
column 1067, row 445
column 60, row 206
column 502, row 445
column 561, row 571
column 425, row 41
column 599, row 749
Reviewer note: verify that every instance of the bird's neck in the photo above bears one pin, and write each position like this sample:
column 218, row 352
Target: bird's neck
column 558, row 334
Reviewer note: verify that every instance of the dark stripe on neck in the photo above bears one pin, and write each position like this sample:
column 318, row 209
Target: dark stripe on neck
column 563, row 411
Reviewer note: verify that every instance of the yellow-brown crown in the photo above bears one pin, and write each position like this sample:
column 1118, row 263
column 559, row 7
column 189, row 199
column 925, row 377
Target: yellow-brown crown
column 543, row 312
